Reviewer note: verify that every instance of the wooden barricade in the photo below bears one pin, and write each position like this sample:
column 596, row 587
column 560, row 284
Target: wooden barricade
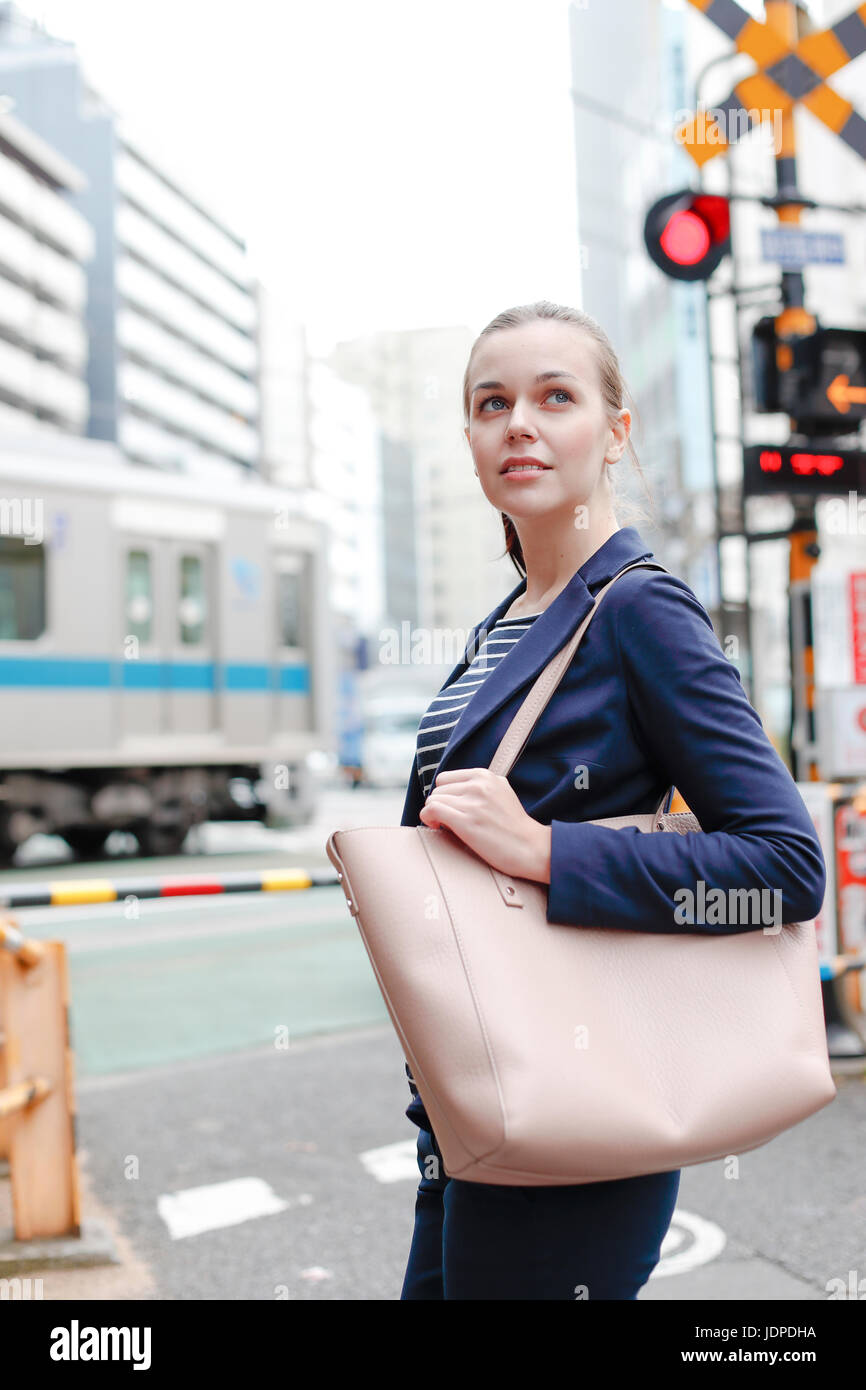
column 37, row 1110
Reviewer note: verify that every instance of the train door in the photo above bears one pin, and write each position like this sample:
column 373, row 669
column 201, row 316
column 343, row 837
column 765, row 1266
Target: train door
column 168, row 673
column 292, row 643
column 191, row 683
column 142, row 639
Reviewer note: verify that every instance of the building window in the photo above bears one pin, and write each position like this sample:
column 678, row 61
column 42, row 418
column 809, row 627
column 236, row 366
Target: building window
column 22, row 590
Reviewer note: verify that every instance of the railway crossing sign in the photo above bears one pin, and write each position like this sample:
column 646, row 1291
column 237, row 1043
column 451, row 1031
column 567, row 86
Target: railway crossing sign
column 787, row 75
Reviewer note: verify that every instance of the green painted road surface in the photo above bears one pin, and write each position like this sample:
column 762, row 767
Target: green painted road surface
column 196, row 977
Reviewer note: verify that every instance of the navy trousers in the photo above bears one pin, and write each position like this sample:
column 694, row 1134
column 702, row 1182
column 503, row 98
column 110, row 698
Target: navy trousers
column 597, row 1240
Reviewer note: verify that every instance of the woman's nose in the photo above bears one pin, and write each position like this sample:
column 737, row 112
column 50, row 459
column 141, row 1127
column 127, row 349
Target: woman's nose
column 519, row 424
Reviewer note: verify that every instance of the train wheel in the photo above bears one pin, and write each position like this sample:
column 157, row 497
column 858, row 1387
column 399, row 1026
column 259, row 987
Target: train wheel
column 87, row 841
column 8, row 846
column 157, row 840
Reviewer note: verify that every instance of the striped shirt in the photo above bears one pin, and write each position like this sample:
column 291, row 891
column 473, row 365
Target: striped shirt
column 446, row 708
column 435, row 728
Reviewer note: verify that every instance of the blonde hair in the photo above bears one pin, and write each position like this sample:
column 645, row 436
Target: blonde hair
column 613, row 389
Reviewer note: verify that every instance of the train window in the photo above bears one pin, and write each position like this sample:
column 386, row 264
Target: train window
column 191, row 608
column 22, row 590
column 290, row 608
column 139, row 595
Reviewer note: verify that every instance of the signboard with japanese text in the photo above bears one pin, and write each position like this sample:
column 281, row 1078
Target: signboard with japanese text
column 840, row 716
column 839, row 626
column 857, row 611
column 792, row 247
column 819, row 804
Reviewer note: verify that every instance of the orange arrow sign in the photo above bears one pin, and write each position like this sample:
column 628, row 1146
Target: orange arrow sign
column 841, row 395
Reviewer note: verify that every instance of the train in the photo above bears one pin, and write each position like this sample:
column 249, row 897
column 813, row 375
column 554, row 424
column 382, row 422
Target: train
column 164, row 648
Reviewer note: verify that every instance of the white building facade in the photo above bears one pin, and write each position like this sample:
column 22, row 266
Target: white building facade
column 45, row 245
column 172, row 318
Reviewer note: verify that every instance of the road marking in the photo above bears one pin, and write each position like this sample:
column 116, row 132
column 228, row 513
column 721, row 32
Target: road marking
column 197, row 1209
column 393, row 1162
column 705, row 1239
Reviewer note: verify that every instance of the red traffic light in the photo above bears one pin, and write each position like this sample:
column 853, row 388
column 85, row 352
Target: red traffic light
column 686, row 238
column 687, row 234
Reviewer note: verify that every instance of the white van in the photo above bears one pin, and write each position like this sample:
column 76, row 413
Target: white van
column 390, row 736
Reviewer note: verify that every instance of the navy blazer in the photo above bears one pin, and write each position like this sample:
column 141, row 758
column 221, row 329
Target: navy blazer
column 649, row 701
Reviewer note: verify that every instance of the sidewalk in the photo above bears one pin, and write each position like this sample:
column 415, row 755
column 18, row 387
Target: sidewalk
column 129, row 1278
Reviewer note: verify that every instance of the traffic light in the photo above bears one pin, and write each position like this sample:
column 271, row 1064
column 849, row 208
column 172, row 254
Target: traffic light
column 688, row 233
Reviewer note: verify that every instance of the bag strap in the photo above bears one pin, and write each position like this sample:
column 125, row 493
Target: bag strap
column 524, row 721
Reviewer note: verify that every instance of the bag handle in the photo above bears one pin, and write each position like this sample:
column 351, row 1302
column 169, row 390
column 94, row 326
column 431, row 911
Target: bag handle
column 524, row 721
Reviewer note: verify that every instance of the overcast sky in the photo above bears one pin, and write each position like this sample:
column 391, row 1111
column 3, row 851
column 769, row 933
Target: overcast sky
column 390, row 164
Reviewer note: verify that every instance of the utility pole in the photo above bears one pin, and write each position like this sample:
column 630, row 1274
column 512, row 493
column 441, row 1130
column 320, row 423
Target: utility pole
column 789, row 22
column 815, row 375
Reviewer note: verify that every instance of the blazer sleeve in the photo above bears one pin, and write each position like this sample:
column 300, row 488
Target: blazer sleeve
column 690, row 714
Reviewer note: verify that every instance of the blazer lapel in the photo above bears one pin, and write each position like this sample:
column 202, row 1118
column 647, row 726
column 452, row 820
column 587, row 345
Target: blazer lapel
column 548, row 633
column 414, row 800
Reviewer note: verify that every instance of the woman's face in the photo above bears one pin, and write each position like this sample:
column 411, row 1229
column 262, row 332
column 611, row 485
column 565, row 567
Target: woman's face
column 561, row 420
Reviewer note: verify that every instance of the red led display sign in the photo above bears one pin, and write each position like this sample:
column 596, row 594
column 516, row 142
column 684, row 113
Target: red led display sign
column 786, row 468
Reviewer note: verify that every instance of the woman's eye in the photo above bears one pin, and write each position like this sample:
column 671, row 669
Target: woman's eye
column 557, row 391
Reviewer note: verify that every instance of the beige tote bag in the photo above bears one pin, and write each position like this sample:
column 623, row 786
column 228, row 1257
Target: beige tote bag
column 551, row 1054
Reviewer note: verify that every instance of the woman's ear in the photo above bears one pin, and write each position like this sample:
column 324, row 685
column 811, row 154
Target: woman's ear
column 620, row 434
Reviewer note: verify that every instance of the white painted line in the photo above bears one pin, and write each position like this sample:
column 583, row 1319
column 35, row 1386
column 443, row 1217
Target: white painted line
column 674, row 1237
column 394, row 1162
column 707, row 1241
column 197, row 1209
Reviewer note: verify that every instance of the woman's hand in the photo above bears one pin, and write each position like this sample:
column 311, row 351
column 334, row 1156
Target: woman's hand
column 483, row 810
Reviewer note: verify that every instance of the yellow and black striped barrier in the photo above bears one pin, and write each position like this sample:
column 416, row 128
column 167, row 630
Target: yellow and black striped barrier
column 72, row 892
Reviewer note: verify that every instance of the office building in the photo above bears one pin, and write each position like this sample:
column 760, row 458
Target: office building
column 171, row 303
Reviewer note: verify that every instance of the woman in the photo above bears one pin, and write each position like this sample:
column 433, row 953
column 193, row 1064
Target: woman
column 649, row 701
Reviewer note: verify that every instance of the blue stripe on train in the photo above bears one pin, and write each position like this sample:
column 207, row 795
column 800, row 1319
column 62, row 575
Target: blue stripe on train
column 85, row 673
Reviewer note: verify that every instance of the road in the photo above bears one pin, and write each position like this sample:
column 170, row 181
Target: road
column 240, row 1098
